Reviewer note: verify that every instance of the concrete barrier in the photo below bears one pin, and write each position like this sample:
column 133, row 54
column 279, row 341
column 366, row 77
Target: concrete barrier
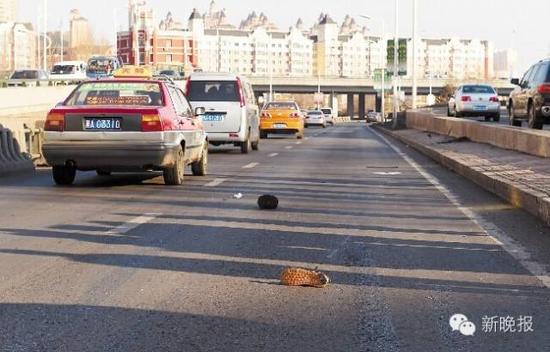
column 11, row 158
column 18, row 101
column 534, row 142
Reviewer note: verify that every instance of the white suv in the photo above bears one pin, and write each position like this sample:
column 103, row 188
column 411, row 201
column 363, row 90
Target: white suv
column 232, row 115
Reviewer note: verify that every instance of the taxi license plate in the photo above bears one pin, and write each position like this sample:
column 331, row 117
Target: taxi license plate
column 94, row 124
column 213, row 117
column 279, row 125
column 480, row 108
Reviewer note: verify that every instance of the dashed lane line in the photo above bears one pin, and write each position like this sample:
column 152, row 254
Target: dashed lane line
column 216, row 182
column 250, row 166
column 273, row 155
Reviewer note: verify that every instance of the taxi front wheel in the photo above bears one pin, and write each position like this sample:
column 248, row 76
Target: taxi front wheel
column 64, row 175
column 174, row 176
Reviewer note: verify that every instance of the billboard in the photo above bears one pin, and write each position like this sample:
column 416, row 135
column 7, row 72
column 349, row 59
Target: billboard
column 401, row 57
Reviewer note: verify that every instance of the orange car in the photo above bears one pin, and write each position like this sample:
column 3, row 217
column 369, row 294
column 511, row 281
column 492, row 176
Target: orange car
column 281, row 117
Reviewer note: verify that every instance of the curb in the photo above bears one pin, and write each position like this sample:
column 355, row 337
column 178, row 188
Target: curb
column 519, row 196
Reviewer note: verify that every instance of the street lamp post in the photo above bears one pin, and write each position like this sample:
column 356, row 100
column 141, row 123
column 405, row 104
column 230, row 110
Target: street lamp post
column 414, row 58
column 269, row 47
column 44, row 42
column 395, row 64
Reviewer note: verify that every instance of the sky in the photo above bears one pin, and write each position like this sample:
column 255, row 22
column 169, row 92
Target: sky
column 521, row 25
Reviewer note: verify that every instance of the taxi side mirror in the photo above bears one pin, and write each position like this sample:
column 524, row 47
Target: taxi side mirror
column 200, row 111
column 515, row 81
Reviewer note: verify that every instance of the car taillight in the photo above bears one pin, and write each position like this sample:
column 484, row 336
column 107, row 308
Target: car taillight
column 544, row 88
column 241, row 92
column 466, row 98
column 295, row 115
column 494, row 99
column 55, row 122
column 265, row 115
column 151, row 123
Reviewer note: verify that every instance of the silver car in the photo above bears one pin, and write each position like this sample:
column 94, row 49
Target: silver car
column 315, row 118
column 232, row 115
column 475, row 100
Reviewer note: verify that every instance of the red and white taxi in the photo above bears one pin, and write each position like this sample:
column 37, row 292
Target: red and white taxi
column 130, row 123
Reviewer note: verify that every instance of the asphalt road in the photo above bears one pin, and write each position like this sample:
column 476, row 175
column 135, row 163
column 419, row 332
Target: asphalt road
column 124, row 263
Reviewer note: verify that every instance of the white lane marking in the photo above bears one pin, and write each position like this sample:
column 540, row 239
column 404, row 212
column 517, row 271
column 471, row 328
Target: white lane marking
column 306, row 138
column 394, row 173
column 298, row 143
column 289, row 147
column 273, row 155
column 250, row 166
column 216, row 182
column 498, row 236
column 132, row 224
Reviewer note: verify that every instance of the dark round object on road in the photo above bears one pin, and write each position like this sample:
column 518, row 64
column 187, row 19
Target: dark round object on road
column 268, row 202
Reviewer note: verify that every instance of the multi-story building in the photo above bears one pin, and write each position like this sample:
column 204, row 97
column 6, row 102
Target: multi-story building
column 79, row 30
column 8, row 10
column 505, row 63
column 452, row 58
column 18, row 46
column 165, row 46
column 258, row 48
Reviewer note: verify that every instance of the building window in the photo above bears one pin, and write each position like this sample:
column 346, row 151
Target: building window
column 169, row 58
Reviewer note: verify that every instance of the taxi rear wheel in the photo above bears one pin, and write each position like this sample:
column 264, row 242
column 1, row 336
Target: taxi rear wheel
column 200, row 168
column 64, row 175
column 174, row 176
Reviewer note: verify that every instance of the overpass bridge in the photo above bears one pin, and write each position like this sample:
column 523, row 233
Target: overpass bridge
column 360, row 87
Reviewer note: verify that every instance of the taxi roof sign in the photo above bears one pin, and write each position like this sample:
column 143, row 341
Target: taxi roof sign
column 133, row 72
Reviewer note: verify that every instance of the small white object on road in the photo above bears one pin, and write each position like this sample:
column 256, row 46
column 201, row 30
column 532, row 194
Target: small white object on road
column 238, row 196
column 273, row 155
column 289, row 147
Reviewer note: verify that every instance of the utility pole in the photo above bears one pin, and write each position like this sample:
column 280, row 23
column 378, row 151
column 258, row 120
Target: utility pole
column 414, row 58
column 61, row 35
column 395, row 65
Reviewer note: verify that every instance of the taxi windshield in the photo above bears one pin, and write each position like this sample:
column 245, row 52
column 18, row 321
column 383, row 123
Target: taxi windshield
column 281, row 106
column 117, row 93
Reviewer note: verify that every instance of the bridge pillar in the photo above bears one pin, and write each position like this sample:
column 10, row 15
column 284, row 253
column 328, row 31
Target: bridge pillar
column 362, row 106
column 351, row 112
column 334, row 102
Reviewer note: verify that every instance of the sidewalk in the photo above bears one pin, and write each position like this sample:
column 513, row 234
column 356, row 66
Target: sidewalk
column 521, row 179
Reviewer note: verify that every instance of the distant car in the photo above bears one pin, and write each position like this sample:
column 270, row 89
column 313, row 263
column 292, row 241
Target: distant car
column 28, row 78
column 474, row 100
column 315, row 118
column 531, row 99
column 373, row 116
column 282, row 117
column 69, row 72
column 232, row 114
column 102, row 66
column 173, row 74
column 125, row 124
column 329, row 115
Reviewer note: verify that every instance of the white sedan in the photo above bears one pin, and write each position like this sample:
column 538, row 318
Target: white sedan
column 475, row 100
column 315, row 118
